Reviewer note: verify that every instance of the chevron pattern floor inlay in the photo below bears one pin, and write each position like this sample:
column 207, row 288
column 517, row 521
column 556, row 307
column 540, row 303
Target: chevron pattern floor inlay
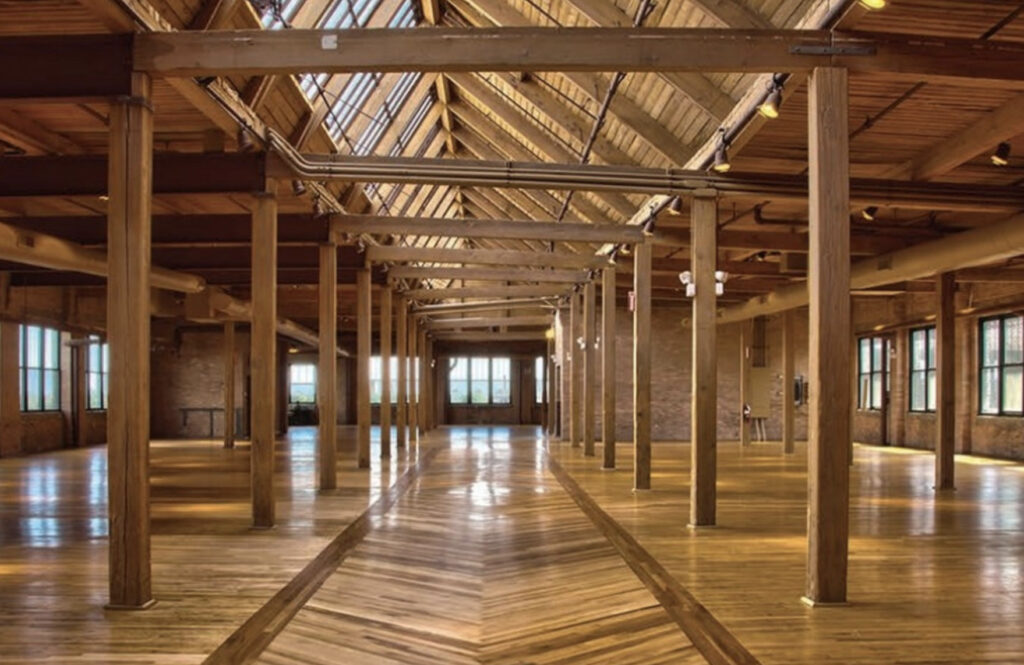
column 485, row 559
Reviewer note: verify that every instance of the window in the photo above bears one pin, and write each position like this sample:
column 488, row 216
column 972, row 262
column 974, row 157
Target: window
column 39, row 367
column 872, row 372
column 377, row 381
column 1002, row 365
column 302, row 384
column 480, row 381
column 97, row 371
column 922, row 369
column 538, row 380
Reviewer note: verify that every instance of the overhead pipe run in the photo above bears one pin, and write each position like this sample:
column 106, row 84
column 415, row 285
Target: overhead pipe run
column 986, row 244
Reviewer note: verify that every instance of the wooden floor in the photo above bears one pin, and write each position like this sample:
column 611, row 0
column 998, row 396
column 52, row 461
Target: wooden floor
column 486, row 551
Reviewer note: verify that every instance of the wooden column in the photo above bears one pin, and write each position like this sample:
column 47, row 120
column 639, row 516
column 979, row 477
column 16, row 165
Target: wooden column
column 589, row 366
column 10, row 390
column 413, row 365
column 788, row 379
column 129, row 242
column 401, row 327
column 575, row 371
column 549, row 387
column 364, row 323
column 385, row 371
column 421, row 360
column 945, row 382
column 704, row 350
column 642, row 367
column 327, row 373
column 565, row 373
column 746, row 342
column 229, row 384
column 608, row 367
column 828, row 473
column 264, row 354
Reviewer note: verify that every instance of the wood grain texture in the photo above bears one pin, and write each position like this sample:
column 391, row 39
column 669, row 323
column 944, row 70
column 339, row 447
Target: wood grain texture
column 704, row 363
column 230, row 353
column 401, row 343
column 746, row 341
column 788, row 377
column 575, row 360
column 945, row 382
column 385, row 372
column 129, row 239
column 413, row 370
column 327, row 368
column 589, row 366
column 608, row 380
column 364, row 321
column 828, row 285
column 642, row 367
column 264, row 354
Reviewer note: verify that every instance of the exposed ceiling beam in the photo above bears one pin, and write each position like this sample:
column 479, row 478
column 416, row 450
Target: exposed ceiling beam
column 492, row 274
column 484, row 257
column 488, row 306
column 486, row 228
column 217, row 53
column 489, row 322
column 530, row 291
column 489, row 336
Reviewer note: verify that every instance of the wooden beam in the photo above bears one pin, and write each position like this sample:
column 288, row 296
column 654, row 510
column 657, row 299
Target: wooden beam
column 173, row 173
column 734, row 14
column 66, row 67
column 945, row 382
column 422, row 403
column 642, row 367
column 575, row 371
column 327, row 374
column 364, row 321
column 589, row 366
column 609, row 379
column 780, row 241
column 229, row 384
column 402, row 337
column 213, row 14
column 413, row 333
column 491, row 274
column 484, row 306
column 128, row 334
column 529, row 291
column 788, row 378
column 746, row 342
column 386, row 335
column 483, row 257
column 485, row 228
column 489, row 322
column 550, row 388
column 457, row 336
column 284, row 52
column 828, row 473
column 264, row 354
column 704, row 354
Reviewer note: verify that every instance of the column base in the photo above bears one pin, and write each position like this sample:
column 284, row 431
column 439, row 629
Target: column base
column 819, row 603
column 943, row 489
column 700, row 527
column 130, row 608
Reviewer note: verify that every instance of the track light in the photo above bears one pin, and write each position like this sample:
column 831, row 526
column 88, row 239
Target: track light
column 686, row 279
column 245, row 143
column 771, row 105
column 298, row 187
column 318, row 206
column 1001, row 157
column 676, row 206
column 869, row 213
column 873, row 4
column 721, row 163
column 648, row 227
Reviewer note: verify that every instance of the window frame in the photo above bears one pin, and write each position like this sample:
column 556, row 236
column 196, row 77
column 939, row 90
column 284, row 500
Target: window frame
column 292, row 383
column 883, row 372
column 540, row 387
column 103, row 374
column 24, row 368
column 376, row 377
column 930, row 369
column 999, row 367
column 470, row 378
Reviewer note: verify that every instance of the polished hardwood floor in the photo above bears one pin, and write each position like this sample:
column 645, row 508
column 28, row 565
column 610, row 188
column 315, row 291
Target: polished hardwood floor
column 479, row 546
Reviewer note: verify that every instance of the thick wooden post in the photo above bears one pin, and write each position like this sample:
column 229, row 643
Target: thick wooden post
column 608, row 366
column 549, row 388
column 229, row 384
column 264, row 355
column 704, row 350
column 385, row 372
column 746, row 342
column 402, row 337
column 129, row 241
column 327, row 374
column 945, row 382
column 828, row 473
column 589, row 366
column 421, row 360
column 642, row 367
column 575, row 371
column 788, row 379
column 364, row 320
column 413, row 368
column 10, row 390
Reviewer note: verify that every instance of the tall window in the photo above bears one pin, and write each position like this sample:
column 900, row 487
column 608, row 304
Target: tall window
column 872, row 366
column 97, row 370
column 377, row 380
column 302, row 384
column 922, row 369
column 538, row 380
column 480, row 381
column 1002, row 365
column 39, row 368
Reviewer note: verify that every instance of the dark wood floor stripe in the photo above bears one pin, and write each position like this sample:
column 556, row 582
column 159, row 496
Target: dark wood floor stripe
column 253, row 636
column 716, row 643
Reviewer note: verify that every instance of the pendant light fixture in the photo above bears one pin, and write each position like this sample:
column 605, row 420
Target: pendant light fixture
column 721, row 163
column 772, row 104
column 1001, row 157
